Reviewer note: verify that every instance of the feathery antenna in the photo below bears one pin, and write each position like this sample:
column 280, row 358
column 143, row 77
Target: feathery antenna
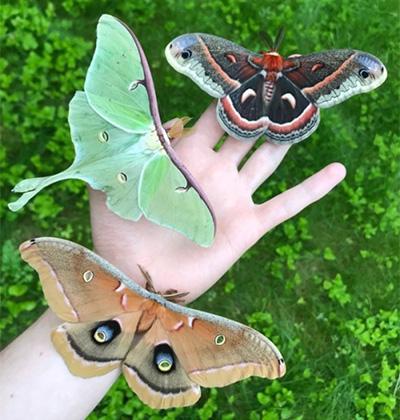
column 279, row 38
column 273, row 44
column 267, row 39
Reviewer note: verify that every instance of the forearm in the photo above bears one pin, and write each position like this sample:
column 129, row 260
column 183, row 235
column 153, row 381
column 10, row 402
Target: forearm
column 36, row 383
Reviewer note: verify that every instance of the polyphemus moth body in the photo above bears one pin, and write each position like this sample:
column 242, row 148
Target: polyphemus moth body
column 120, row 145
column 267, row 94
column 166, row 351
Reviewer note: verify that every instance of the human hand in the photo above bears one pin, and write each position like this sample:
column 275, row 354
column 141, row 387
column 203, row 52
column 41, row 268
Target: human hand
column 173, row 261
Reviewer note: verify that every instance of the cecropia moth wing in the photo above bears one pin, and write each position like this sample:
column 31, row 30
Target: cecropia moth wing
column 120, row 145
column 267, row 94
column 166, row 351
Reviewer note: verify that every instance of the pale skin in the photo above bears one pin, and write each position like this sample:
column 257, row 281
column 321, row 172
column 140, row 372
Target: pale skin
column 34, row 380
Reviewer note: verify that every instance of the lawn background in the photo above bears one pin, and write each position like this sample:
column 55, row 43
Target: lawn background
column 323, row 286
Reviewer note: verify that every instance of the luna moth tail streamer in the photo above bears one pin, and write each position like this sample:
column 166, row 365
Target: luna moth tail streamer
column 31, row 187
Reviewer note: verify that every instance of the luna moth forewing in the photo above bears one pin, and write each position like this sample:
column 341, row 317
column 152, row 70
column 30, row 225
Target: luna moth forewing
column 121, row 147
column 166, row 351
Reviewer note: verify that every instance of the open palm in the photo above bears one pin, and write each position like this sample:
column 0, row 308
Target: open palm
column 173, row 261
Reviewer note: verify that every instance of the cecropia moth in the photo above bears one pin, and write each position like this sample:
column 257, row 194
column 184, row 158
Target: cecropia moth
column 267, row 94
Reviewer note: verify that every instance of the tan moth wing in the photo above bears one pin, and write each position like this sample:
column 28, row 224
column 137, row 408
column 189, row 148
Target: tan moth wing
column 166, row 351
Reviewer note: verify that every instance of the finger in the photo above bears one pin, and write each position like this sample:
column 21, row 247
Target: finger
column 235, row 150
column 262, row 163
column 289, row 203
column 207, row 130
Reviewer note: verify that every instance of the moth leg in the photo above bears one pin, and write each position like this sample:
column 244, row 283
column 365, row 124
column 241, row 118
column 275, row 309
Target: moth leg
column 174, row 296
column 149, row 286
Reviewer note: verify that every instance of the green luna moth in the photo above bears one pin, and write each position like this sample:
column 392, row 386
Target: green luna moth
column 121, row 147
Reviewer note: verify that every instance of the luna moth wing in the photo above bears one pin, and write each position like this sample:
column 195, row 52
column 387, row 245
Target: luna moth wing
column 166, row 351
column 107, row 158
column 159, row 180
column 115, row 82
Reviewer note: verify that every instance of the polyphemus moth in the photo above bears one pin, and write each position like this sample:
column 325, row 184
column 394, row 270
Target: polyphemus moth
column 120, row 145
column 267, row 94
column 166, row 351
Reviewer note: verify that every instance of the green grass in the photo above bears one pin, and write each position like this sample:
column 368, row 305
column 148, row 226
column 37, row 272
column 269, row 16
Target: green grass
column 324, row 287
